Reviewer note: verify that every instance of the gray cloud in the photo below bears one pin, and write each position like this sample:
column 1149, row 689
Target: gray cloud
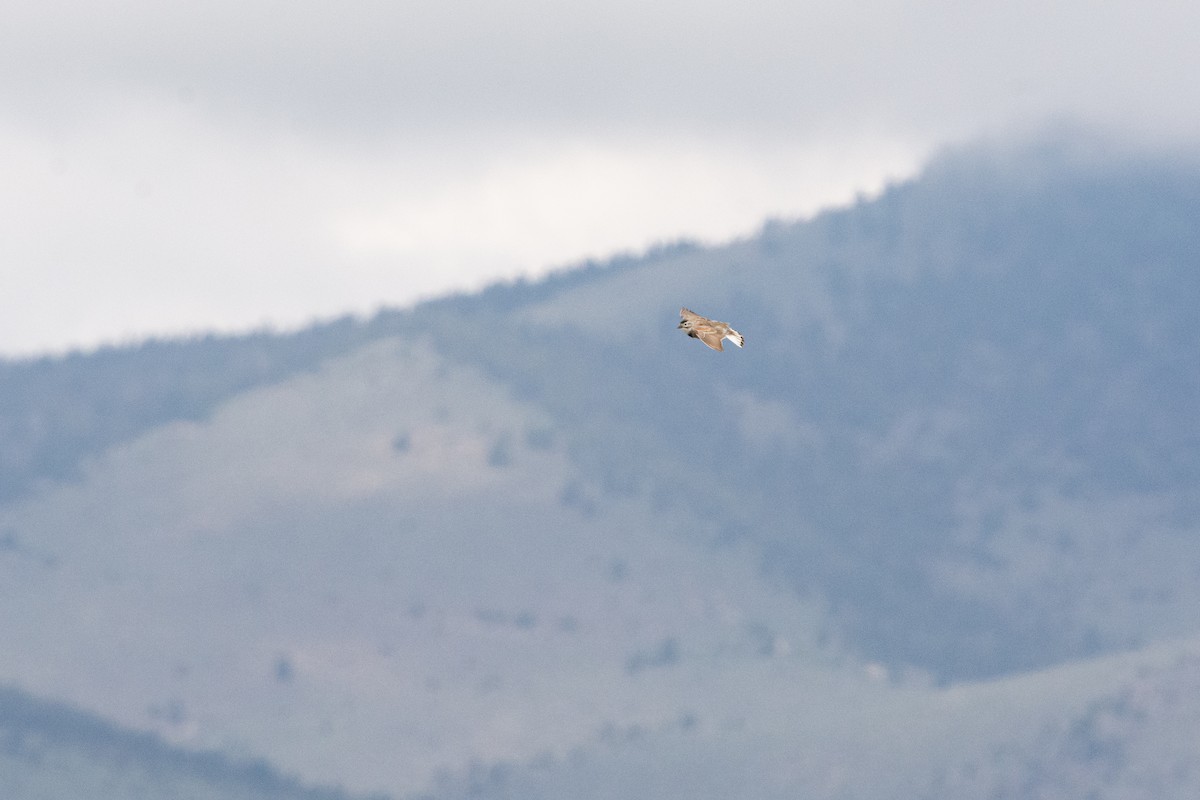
column 311, row 157
column 433, row 65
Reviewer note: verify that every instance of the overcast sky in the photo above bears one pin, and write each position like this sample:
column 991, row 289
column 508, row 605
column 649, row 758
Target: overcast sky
column 175, row 167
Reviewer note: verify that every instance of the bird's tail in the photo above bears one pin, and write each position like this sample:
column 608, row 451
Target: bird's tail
column 735, row 337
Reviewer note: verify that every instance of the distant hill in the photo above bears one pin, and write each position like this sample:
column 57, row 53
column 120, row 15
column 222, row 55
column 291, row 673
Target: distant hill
column 53, row 751
column 535, row 542
column 964, row 406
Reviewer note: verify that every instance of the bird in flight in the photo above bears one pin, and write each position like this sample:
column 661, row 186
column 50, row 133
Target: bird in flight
column 708, row 330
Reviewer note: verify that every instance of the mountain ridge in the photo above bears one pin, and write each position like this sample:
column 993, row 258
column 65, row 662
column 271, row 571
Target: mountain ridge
column 430, row 551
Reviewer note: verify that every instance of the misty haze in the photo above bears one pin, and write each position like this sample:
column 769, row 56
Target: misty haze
column 349, row 447
column 932, row 533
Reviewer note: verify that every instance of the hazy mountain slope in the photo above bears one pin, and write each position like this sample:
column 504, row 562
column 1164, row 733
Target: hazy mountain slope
column 370, row 573
column 51, row 752
column 956, row 401
column 57, row 410
column 537, row 543
column 1108, row 728
column 1135, row 740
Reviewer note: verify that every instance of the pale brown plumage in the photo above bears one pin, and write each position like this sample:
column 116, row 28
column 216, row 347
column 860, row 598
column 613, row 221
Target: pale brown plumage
column 709, row 331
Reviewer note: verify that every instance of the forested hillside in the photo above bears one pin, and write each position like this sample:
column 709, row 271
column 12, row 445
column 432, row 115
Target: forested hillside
column 942, row 509
column 963, row 408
